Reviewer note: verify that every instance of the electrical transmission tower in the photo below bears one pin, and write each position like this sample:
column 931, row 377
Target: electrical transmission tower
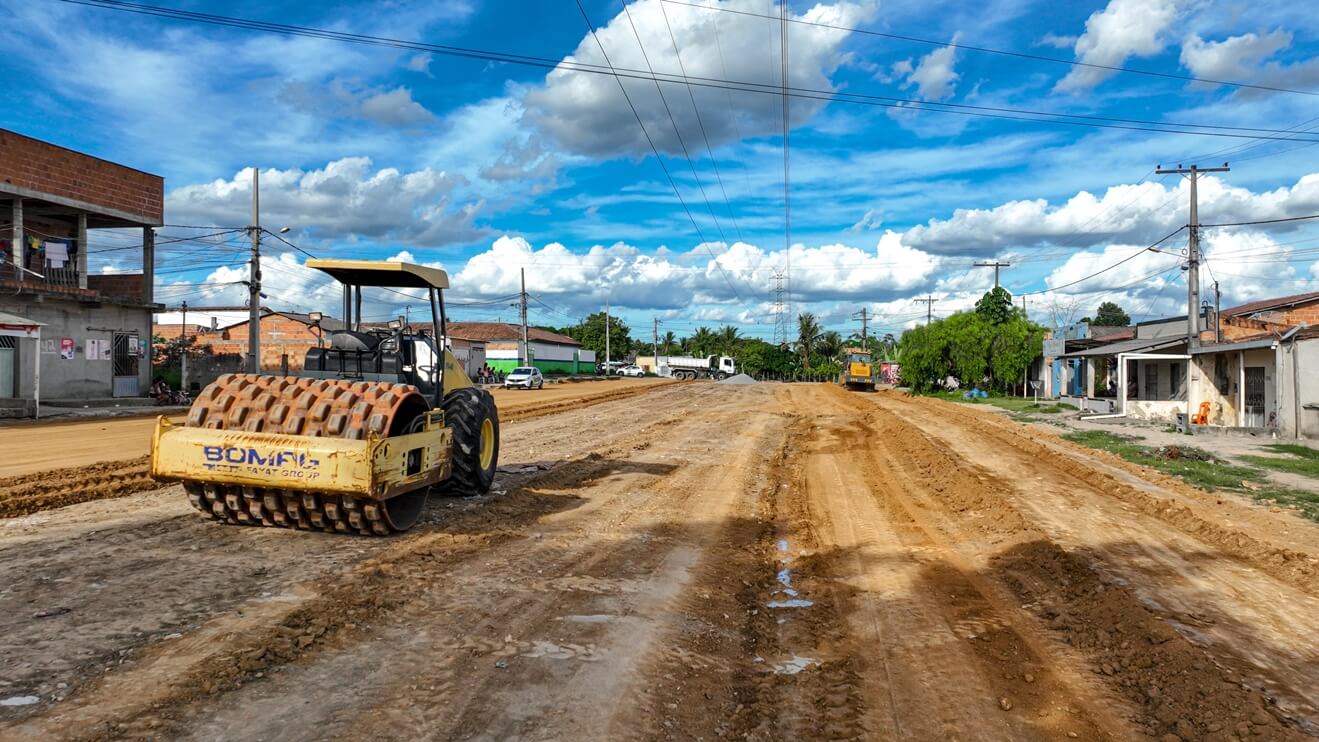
column 782, row 309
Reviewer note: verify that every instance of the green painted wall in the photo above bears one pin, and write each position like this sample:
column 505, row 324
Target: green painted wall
column 546, row 367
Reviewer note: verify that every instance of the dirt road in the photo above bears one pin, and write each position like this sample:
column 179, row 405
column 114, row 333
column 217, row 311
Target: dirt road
column 762, row 562
column 29, row 448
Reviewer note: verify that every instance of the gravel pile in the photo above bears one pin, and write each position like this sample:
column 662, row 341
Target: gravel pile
column 738, row 379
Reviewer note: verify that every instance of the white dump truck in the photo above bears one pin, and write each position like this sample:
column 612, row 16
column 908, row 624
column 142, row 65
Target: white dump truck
column 693, row 367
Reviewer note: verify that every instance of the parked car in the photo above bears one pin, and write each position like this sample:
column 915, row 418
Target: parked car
column 631, row 371
column 524, row 377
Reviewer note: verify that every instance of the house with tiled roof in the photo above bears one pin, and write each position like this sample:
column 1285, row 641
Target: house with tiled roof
column 551, row 352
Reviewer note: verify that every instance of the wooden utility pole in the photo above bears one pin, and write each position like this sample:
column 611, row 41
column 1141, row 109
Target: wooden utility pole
column 1192, row 254
column 929, row 308
column 995, row 265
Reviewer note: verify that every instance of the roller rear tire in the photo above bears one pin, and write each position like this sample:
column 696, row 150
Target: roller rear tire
column 472, row 416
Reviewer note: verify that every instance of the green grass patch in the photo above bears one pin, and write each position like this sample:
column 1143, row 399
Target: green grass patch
column 1201, row 469
column 1296, row 460
column 1193, row 465
column 1011, row 404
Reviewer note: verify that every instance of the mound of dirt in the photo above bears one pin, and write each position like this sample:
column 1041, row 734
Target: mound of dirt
column 1182, row 453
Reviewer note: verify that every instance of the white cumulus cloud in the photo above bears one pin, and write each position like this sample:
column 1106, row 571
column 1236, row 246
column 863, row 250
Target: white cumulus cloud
column 1125, row 28
column 345, row 199
column 587, row 114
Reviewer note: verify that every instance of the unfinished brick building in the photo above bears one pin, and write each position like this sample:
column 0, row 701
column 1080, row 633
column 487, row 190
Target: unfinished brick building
column 95, row 329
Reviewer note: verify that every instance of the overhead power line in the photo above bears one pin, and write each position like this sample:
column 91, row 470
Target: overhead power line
column 909, row 104
column 687, row 155
column 1263, row 221
column 1001, row 52
column 672, row 183
column 1127, row 259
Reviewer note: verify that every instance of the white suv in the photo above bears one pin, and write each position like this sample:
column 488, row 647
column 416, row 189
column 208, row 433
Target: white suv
column 524, row 377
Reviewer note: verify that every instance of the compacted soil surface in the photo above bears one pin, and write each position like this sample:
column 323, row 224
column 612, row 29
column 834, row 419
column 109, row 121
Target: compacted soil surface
column 678, row 561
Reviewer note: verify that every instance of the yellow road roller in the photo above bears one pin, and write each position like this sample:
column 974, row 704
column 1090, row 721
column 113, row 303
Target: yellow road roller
column 376, row 420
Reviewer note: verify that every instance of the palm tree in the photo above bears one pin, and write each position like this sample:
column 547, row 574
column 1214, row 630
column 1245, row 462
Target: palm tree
column 669, row 341
column 728, row 339
column 703, row 341
column 829, row 345
column 808, row 334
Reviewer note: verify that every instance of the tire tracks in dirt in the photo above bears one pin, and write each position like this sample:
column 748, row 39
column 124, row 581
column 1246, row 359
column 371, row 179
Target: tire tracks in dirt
column 529, row 412
column 1175, row 686
column 31, row 493
column 149, row 696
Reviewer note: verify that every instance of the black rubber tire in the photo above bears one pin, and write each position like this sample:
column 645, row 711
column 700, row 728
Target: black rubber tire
column 465, row 411
column 721, row 376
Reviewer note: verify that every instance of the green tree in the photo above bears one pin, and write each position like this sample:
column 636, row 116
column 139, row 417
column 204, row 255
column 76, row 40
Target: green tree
column 758, row 357
column 703, row 342
column 669, row 342
column 808, row 334
column 971, row 348
column 996, row 306
column 829, row 346
column 728, row 340
column 590, row 332
column 1110, row 314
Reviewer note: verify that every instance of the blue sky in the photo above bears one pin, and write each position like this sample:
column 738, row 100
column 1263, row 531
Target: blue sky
column 486, row 168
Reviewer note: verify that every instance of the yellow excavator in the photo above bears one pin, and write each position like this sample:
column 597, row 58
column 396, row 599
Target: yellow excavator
column 858, row 370
column 354, row 443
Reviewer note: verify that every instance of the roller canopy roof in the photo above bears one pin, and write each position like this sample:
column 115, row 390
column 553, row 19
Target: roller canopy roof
column 381, row 273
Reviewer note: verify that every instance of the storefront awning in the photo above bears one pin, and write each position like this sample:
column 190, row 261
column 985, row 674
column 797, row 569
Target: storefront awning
column 12, row 325
column 1140, row 345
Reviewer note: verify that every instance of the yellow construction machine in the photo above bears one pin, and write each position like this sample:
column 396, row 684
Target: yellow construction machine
column 858, row 370
column 354, row 442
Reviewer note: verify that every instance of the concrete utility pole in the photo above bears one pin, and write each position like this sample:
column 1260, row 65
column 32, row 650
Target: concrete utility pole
column 1192, row 256
column 254, row 282
column 865, row 318
column 995, row 265
column 183, row 359
column 522, row 306
column 1218, row 307
column 929, row 308
column 654, row 340
column 606, row 338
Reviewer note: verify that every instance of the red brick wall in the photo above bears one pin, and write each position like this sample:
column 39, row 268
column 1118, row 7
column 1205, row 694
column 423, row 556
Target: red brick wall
column 279, row 335
column 38, row 166
column 120, row 285
column 1240, row 327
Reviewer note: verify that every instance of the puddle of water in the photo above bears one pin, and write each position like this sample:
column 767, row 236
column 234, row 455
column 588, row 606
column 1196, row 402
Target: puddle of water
column 784, row 578
column 590, row 618
column 793, row 666
column 19, row 701
column 790, row 603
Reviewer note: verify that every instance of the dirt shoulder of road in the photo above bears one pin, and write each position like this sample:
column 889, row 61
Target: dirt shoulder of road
column 71, row 444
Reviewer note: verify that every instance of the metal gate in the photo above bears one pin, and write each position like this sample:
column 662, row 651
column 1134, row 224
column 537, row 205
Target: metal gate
column 1254, row 397
column 125, row 355
column 8, row 366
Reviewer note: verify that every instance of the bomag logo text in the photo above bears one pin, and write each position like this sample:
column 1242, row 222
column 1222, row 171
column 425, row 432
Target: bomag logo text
column 248, row 456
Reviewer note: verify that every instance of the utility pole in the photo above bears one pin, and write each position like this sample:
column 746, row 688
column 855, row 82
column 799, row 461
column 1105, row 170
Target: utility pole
column 995, row 265
column 254, row 280
column 522, row 305
column 606, row 338
column 1218, row 307
column 1192, row 256
column 654, row 340
column 929, row 308
column 183, row 356
column 865, row 318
